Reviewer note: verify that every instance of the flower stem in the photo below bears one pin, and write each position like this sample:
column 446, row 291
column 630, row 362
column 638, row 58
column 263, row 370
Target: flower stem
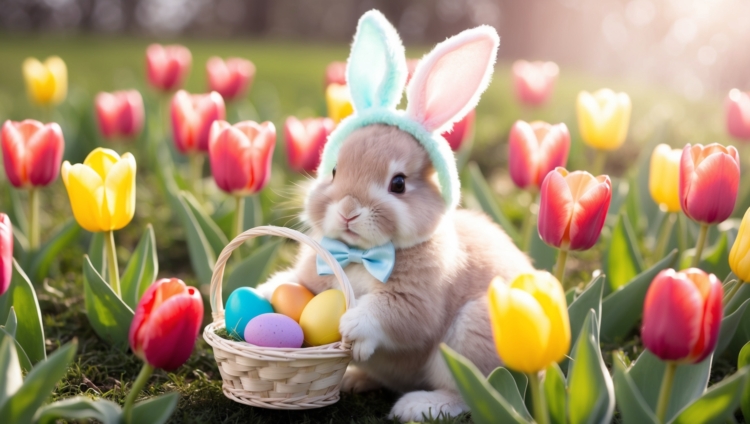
column 681, row 243
column 34, row 218
column 196, row 175
column 600, row 159
column 666, row 390
column 143, row 377
column 541, row 416
column 114, row 272
column 666, row 232
column 733, row 292
column 528, row 226
column 239, row 225
column 562, row 257
column 699, row 245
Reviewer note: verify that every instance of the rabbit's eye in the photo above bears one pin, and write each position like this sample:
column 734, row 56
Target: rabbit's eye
column 398, row 184
column 334, row 173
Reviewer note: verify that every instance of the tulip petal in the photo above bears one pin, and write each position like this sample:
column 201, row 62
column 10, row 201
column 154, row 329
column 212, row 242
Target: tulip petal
column 739, row 256
column 712, row 314
column 120, row 192
column 713, row 189
column 6, row 253
column 664, row 177
column 227, row 160
column 40, row 83
column 553, row 151
column 101, row 160
column 14, row 152
column 86, row 193
column 43, row 155
column 59, row 73
column 589, row 214
column 523, row 151
column 555, row 209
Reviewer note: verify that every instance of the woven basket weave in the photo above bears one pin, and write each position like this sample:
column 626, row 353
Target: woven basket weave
column 277, row 378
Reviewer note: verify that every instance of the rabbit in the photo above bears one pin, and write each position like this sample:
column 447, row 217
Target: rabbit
column 387, row 178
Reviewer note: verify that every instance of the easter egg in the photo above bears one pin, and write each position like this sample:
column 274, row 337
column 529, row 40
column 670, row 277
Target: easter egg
column 274, row 330
column 290, row 299
column 243, row 305
column 320, row 318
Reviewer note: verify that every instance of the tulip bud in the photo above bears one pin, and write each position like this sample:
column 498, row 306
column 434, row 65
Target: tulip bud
column 336, row 73
column 167, row 66
column 709, row 181
column 664, row 177
column 120, row 114
column 32, row 152
column 603, row 118
column 737, row 107
column 535, row 149
column 232, row 78
column 46, row 83
column 682, row 314
column 339, row 102
column 739, row 256
column 192, row 116
column 461, row 132
column 534, row 81
column 573, row 208
column 166, row 324
column 102, row 190
column 241, row 155
column 6, row 253
column 305, row 140
column 529, row 321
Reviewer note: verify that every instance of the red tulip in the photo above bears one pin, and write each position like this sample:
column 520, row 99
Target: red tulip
column 411, row 66
column 461, row 132
column 536, row 149
column 534, row 81
column 305, row 140
column 192, row 116
column 32, row 152
column 6, row 253
column 709, row 180
column 166, row 324
column 231, row 78
column 737, row 106
column 336, row 73
column 241, row 155
column 682, row 314
column 120, row 114
column 572, row 209
column 167, row 66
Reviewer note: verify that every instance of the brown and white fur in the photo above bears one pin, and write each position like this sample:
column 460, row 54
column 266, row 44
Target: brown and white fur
column 436, row 293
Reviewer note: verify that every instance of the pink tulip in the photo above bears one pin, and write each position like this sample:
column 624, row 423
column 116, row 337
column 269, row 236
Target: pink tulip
column 32, row 152
column 192, row 116
column 461, row 132
column 167, row 66
column 709, row 181
column 535, row 149
column 305, row 140
column 166, row 324
column 573, row 208
column 682, row 315
column 534, row 81
column 241, row 156
column 336, row 73
column 6, row 253
column 120, row 114
column 737, row 106
column 232, row 78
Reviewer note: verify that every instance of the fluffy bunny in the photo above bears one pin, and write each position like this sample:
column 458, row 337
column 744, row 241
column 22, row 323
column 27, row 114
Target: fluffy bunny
column 388, row 177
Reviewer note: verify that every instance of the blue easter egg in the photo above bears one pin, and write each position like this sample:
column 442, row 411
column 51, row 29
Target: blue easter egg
column 243, row 305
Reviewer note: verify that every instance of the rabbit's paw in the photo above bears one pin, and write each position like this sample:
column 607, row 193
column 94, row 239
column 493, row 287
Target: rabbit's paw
column 418, row 406
column 362, row 330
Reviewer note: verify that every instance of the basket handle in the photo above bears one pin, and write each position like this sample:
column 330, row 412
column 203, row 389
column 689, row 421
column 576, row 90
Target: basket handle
column 217, row 304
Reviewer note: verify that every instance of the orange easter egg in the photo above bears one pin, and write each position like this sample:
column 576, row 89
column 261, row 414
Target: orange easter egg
column 290, row 299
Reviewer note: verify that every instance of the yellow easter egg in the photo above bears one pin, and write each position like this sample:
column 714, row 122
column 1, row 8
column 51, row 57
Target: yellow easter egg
column 320, row 318
column 290, row 299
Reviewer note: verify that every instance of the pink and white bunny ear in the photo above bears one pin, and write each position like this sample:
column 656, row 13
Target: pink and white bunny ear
column 376, row 71
column 449, row 80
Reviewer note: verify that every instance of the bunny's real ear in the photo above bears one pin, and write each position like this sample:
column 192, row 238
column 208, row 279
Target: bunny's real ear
column 449, row 80
column 376, row 71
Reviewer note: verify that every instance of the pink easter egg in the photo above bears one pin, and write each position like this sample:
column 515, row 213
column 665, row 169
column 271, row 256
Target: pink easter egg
column 274, row 330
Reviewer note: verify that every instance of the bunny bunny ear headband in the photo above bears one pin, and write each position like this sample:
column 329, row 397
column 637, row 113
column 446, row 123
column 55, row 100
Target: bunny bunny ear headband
column 445, row 86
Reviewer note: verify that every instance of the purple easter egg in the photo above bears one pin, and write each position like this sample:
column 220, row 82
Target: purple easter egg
column 274, row 330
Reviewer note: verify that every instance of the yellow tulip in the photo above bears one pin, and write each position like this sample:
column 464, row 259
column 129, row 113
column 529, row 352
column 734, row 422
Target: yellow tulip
column 603, row 118
column 102, row 190
column 529, row 321
column 339, row 102
column 46, row 83
column 664, row 177
column 739, row 256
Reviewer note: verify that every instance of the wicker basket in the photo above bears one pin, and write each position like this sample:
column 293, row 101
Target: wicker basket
column 277, row 378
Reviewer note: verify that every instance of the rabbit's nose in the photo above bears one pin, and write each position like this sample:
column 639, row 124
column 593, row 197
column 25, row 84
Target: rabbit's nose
column 349, row 208
column 348, row 219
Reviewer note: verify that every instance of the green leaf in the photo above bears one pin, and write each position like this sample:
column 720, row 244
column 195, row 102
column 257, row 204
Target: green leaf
column 633, row 408
column 11, row 377
column 743, row 360
column 29, row 331
column 38, row 386
column 718, row 403
column 570, row 295
column 591, row 298
column 690, row 381
column 253, row 212
column 156, row 410
column 108, row 315
column 253, row 269
column 742, row 333
column 213, row 233
column 96, row 253
column 728, row 328
column 622, row 309
column 486, row 199
column 142, row 269
column 17, row 212
column 487, row 406
column 80, row 408
column 542, row 254
column 555, row 394
column 503, row 382
column 202, row 255
column 22, row 358
column 51, row 249
column 622, row 260
column 11, row 323
column 591, row 397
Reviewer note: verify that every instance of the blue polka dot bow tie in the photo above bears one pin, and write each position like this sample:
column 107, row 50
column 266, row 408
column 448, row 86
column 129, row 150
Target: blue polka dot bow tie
column 378, row 260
